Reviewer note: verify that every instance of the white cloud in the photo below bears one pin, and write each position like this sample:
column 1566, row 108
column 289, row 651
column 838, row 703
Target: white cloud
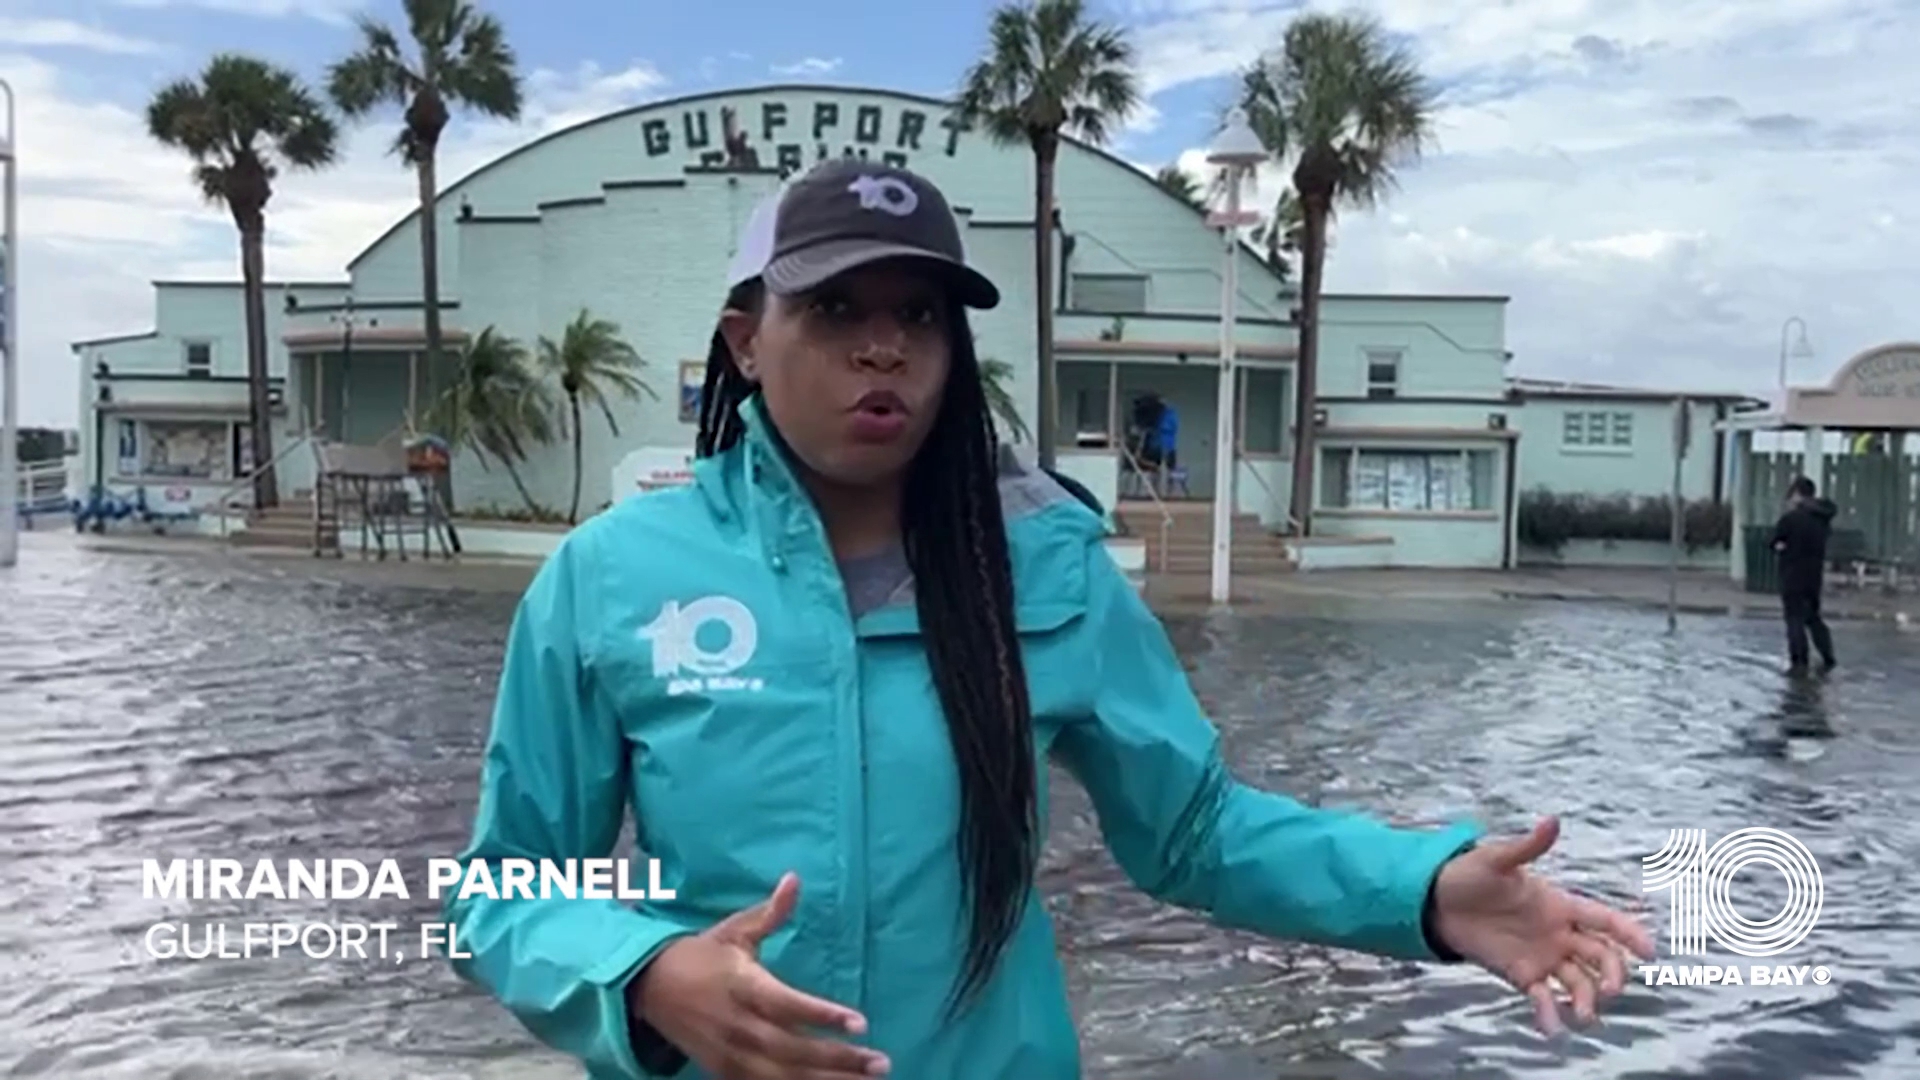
column 1658, row 186
column 809, row 68
column 65, row 33
column 339, row 12
column 106, row 210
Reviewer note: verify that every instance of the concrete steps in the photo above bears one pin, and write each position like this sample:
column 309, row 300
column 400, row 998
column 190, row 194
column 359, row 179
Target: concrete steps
column 288, row 525
column 1189, row 539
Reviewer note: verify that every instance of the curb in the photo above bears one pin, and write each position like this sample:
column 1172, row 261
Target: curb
column 1731, row 610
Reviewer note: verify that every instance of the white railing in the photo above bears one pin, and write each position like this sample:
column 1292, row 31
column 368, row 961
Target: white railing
column 1286, row 515
column 222, row 502
column 1166, row 515
column 42, row 488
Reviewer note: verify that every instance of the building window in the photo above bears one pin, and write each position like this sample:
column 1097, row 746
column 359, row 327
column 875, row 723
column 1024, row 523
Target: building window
column 1383, row 373
column 1406, row 481
column 1597, row 429
column 242, row 450
column 199, row 360
column 1117, row 294
column 1089, row 411
column 129, row 447
column 187, row 449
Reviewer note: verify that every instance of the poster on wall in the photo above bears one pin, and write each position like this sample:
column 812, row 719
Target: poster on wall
column 693, row 377
column 186, row 449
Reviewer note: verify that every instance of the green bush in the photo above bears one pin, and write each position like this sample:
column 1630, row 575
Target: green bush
column 1547, row 520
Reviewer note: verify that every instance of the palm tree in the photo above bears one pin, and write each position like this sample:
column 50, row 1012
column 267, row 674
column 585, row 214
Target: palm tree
column 994, row 376
column 497, row 408
column 462, row 58
column 591, row 360
column 241, row 123
column 1348, row 106
column 1049, row 71
column 1283, row 234
column 1181, row 185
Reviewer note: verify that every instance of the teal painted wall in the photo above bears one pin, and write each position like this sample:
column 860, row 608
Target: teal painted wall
column 1451, row 347
column 1642, row 467
column 212, row 313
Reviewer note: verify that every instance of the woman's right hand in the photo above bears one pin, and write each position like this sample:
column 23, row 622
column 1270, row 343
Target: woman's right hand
column 709, row 996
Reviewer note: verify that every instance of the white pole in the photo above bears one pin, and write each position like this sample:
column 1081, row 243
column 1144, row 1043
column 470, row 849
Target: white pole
column 10, row 342
column 1223, row 456
column 1682, row 436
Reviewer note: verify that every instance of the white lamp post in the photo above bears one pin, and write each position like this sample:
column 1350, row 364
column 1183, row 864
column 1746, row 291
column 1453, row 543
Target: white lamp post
column 1238, row 150
column 1801, row 350
column 10, row 345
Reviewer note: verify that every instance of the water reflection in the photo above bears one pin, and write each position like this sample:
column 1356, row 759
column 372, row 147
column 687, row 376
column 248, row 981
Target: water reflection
column 157, row 706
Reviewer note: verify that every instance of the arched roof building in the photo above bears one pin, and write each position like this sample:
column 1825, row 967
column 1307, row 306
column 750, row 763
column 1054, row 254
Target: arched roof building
column 633, row 217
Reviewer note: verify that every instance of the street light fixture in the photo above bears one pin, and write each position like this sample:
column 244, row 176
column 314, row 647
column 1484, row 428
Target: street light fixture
column 10, row 345
column 1801, row 350
column 1238, row 151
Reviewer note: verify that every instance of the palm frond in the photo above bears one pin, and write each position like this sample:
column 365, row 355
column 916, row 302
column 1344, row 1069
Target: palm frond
column 243, row 119
column 498, row 406
column 1345, row 102
column 994, row 377
column 1048, row 70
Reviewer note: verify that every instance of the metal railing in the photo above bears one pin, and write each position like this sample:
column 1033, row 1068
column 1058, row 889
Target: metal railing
column 1292, row 523
column 42, row 489
column 221, row 502
column 1153, row 495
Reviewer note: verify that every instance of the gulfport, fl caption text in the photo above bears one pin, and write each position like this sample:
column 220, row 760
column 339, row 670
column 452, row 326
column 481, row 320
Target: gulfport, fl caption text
column 352, row 879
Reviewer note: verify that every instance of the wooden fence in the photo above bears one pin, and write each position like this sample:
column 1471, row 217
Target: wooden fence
column 1878, row 496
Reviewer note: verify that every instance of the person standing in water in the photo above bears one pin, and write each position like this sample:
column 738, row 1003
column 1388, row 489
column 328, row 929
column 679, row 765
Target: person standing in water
column 1800, row 540
column 825, row 676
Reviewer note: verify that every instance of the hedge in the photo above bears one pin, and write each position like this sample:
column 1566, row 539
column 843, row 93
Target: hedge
column 1548, row 520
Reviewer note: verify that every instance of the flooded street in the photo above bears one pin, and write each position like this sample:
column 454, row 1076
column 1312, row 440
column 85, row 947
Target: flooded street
column 160, row 706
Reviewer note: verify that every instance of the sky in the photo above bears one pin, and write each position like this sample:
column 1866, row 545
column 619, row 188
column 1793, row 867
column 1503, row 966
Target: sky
column 1659, row 185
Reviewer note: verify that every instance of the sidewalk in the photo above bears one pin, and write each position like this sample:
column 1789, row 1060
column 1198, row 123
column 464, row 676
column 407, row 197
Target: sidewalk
column 1698, row 592
column 1326, row 592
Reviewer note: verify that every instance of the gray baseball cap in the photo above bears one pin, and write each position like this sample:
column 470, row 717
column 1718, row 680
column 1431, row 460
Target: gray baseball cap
column 845, row 214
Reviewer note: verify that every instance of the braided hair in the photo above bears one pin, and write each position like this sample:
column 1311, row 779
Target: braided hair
column 956, row 545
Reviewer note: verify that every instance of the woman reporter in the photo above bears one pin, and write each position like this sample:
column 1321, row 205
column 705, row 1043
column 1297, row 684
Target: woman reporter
column 824, row 676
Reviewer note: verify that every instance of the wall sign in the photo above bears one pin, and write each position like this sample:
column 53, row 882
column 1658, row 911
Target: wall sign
column 795, row 136
column 651, row 468
column 1889, row 375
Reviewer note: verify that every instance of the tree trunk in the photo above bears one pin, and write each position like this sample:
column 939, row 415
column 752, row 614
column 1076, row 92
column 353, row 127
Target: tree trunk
column 1044, row 152
column 525, row 496
column 573, row 515
column 430, row 287
column 253, row 275
column 1313, row 255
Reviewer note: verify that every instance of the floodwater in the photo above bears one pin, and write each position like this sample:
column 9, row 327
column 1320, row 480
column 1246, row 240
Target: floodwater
column 162, row 705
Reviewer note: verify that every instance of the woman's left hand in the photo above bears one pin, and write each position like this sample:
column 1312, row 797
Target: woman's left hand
column 1492, row 911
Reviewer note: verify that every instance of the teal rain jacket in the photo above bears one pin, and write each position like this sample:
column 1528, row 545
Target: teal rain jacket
column 690, row 655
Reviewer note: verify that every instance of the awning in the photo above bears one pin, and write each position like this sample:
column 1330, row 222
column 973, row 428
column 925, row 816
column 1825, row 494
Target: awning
column 333, row 339
column 162, row 411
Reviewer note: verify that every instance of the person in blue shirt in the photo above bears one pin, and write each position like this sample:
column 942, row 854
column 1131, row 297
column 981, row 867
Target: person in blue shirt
column 1167, row 437
column 824, row 679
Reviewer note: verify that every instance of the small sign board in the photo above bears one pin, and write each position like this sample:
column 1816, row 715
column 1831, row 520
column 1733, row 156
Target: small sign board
column 651, row 468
